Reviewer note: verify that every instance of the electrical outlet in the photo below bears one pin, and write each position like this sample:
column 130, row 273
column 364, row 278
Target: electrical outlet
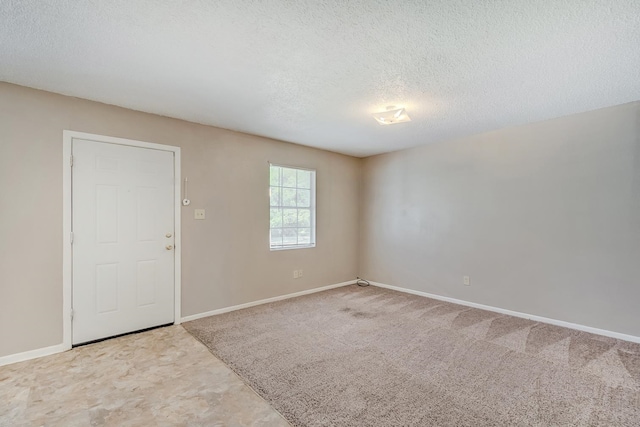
column 295, row 274
column 198, row 213
column 300, row 273
column 466, row 280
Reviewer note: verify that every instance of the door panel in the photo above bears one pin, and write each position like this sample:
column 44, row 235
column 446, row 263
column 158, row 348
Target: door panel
column 123, row 273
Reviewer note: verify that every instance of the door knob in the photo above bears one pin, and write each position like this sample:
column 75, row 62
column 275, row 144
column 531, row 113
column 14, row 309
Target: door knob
column 169, row 247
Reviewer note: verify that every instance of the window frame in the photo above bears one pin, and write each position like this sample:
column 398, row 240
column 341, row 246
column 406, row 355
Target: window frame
column 312, row 208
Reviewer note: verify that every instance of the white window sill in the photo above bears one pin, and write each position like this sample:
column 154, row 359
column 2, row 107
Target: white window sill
column 287, row 248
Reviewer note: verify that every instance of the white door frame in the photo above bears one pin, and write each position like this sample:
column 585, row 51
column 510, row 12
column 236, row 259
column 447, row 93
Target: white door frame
column 67, row 254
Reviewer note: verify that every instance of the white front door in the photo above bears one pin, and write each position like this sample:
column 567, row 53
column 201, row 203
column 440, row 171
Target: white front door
column 123, row 237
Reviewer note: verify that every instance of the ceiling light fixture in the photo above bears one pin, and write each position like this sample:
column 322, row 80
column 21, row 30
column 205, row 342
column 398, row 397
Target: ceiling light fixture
column 392, row 116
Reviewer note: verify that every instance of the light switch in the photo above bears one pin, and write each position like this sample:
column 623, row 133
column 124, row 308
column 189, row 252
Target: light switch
column 198, row 213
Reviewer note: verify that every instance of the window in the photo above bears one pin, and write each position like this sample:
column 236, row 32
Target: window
column 292, row 195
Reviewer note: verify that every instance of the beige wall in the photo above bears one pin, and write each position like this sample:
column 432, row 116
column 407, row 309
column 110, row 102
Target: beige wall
column 226, row 258
column 545, row 218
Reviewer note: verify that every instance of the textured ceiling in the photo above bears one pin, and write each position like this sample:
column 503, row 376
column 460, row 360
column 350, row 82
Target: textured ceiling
column 312, row 71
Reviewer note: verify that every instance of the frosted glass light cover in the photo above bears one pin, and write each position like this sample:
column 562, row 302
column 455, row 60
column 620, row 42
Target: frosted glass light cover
column 391, row 117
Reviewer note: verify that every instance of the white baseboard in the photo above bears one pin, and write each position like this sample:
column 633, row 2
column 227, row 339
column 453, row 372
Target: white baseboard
column 533, row 317
column 32, row 354
column 59, row 348
column 263, row 301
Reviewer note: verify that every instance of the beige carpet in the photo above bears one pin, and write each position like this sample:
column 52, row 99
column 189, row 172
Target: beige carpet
column 374, row 357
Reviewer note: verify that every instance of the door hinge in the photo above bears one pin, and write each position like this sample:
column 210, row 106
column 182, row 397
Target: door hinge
column 71, row 161
column 72, row 237
column 72, row 314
